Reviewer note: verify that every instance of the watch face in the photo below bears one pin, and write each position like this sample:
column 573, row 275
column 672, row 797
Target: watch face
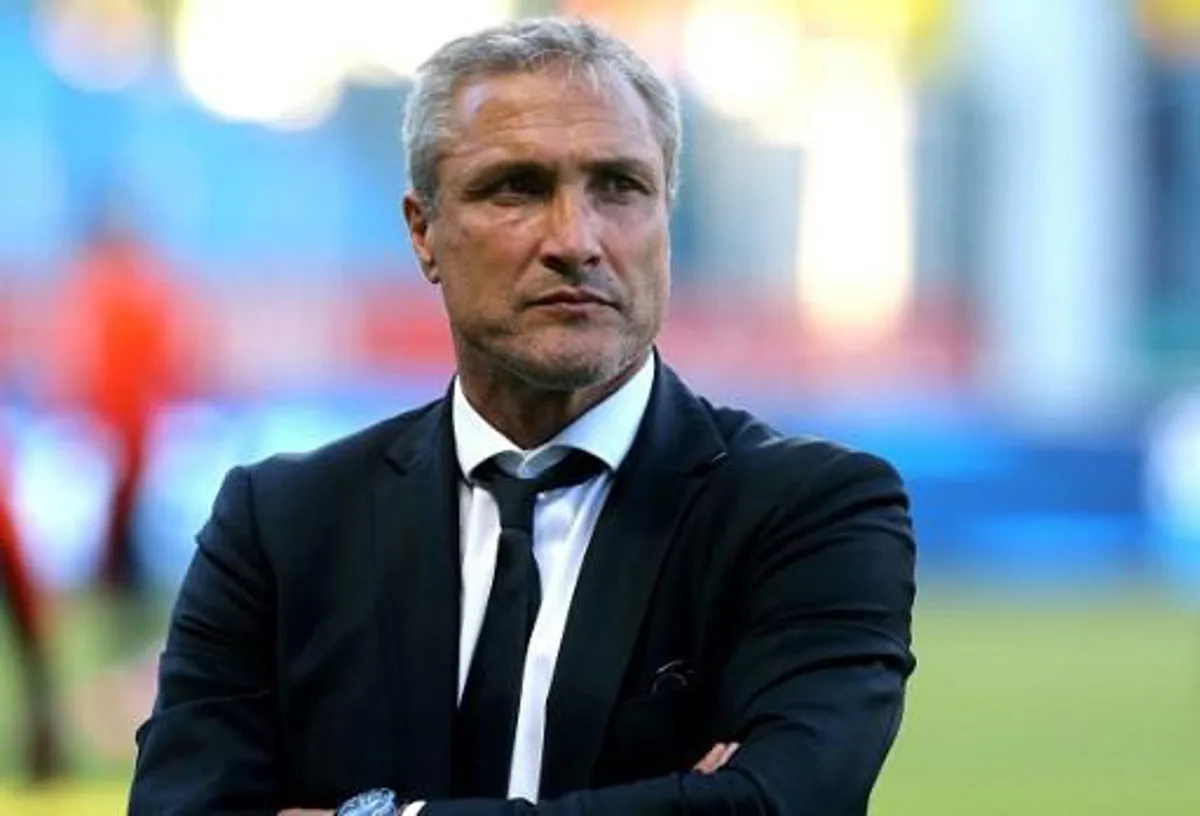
column 378, row 802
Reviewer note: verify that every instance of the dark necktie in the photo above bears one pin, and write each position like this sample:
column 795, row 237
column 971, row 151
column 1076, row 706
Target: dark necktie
column 487, row 716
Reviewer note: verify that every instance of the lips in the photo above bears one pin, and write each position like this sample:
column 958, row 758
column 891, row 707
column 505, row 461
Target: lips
column 572, row 297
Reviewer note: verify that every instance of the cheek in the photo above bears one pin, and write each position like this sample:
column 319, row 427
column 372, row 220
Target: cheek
column 652, row 259
column 491, row 249
column 479, row 267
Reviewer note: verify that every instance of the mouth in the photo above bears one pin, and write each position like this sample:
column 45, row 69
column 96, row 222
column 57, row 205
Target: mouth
column 573, row 299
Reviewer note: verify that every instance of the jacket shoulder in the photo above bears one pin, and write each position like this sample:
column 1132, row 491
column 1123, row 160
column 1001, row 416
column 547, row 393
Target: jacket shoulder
column 754, row 445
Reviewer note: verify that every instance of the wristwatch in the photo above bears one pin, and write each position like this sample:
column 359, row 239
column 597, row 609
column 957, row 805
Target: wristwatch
column 375, row 802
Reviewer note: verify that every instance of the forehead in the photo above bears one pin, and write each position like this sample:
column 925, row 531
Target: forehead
column 550, row 115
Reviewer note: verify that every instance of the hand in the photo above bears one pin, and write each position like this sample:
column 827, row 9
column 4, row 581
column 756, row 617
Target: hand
column 716, row 758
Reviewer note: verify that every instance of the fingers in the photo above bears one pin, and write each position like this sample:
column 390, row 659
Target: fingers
column 708, row 763
column 716, row 758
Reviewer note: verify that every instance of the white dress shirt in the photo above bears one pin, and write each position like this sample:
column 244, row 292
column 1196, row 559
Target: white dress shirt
column 563, row 523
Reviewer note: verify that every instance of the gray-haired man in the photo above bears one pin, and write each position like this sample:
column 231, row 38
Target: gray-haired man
column 571, row 585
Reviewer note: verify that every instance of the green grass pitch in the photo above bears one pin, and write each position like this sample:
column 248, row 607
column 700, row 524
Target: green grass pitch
column 1018, row 708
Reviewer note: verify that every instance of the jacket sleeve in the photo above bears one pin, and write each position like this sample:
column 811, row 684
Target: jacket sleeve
column 211, row 744
column 815, row 685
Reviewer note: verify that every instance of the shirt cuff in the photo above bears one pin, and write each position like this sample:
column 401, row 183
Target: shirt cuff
column 412, row 809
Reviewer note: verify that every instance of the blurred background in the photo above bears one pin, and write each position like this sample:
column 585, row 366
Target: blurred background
column 964, row 234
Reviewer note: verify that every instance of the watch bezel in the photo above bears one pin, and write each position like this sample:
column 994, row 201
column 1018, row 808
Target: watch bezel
column 373, row 802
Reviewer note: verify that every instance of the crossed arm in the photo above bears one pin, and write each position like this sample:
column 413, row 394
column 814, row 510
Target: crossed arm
column 813, row 729
column 711, row 762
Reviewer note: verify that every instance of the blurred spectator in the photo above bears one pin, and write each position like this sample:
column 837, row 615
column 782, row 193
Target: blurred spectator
column 43, row 752
column 120, row 354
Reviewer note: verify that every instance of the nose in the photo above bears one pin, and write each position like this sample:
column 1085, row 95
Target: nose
column 572, row 244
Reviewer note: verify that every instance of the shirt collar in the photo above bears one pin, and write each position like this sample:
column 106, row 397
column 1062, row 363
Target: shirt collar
column 606, row 431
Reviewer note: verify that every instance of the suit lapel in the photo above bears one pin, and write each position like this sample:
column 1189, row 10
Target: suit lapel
column 658, row 479
column 415, row 532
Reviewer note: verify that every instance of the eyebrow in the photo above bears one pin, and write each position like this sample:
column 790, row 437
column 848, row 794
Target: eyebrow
column 620, row 165
column 496, row 171
column 624, row 165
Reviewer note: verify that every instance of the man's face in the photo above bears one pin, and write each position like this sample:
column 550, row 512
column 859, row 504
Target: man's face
column 550, row 237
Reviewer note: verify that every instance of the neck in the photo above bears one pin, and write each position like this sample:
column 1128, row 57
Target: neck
column 530, row 415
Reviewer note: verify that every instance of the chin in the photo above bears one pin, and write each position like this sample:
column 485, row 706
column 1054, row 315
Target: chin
column 570, row 370
column 568, row 375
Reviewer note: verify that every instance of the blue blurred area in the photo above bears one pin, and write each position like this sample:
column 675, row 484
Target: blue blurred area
column 989, row 505
column 209, row 191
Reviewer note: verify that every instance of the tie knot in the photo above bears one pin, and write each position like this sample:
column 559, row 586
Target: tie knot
column 516, row 497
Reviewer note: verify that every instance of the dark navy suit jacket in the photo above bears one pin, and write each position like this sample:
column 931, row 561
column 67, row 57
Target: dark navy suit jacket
column 740, row 586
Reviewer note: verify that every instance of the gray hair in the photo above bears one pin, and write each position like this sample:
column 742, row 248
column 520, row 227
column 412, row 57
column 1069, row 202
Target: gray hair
column 528, row 46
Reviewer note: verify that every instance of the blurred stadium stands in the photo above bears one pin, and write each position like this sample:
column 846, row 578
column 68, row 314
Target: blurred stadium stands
column 1027, row 332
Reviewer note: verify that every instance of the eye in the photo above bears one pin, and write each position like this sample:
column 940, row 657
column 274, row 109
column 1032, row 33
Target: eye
column 619, row 186
column 518, row 187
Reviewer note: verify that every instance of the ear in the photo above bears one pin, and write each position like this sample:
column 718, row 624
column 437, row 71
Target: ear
column 420, row 230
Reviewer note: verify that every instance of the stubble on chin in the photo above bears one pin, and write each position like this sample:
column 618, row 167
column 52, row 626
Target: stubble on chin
column 562, row 358
column 566, row 366
column 563, row 371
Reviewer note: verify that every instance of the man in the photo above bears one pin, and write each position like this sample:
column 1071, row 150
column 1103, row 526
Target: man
column 697, row 615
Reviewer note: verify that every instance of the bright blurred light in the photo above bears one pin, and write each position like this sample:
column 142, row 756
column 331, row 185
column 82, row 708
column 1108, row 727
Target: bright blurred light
column 893, row 21
column 384, row 39
column 100, row 45
column 1173, row 488
column 1173, row 464
column 746, row 60
column 828, row 77
column 752, row 60
column 854, row 264
column 283, row 63
column 278, row 62
column 62, row 485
